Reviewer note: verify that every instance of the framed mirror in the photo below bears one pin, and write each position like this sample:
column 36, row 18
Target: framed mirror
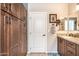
column 70, row 24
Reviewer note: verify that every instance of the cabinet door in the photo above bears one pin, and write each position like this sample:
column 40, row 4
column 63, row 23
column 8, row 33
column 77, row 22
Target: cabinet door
column 14, row 35
column 61, row 46
column 70, row 51
column 20, row 47
column 14, row 32
column 70, row 48
column 4, row 33
column 22, row 41
column 10, row 34
column 19, row 38
column 77, row 50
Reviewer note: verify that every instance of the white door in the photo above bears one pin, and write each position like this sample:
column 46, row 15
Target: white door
column 38, row 32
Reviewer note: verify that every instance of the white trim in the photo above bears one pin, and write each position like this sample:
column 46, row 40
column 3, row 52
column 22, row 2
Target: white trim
column 52, row 51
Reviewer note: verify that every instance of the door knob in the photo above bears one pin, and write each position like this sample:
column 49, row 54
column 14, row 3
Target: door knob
column 43, row 35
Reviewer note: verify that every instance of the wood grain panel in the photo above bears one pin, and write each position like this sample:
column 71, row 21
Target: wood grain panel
column 12, row 29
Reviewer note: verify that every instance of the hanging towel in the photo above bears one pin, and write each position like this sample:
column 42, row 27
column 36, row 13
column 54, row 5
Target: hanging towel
column 52, row 29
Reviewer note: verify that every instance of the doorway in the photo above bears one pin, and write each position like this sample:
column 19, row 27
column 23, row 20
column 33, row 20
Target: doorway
column 37, row 32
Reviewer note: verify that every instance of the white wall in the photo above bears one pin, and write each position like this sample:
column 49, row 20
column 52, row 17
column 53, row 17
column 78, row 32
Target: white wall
column 60, row 9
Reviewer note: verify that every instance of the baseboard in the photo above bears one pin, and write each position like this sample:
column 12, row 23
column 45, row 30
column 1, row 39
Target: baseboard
column 35, row 51
column 43, row 51
column 52, row 51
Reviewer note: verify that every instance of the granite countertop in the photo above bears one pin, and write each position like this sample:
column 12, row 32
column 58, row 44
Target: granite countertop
column 68, row 38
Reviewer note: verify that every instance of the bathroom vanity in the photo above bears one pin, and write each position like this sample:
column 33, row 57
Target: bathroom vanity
column 68, row 46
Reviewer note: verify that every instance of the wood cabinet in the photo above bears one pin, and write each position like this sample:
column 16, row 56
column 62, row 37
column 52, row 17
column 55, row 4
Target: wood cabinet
column 5, row 33
column 77, row 50
column 61, row 46
column 70, row 48
column 6, row 7
column 67, row 48
column 13, row 33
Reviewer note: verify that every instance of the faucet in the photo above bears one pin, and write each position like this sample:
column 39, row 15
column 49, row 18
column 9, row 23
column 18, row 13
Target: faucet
column 70, row 34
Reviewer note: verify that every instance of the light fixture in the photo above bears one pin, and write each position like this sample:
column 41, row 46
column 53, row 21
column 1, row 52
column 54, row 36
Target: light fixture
column 77, row 7
column 57, row 22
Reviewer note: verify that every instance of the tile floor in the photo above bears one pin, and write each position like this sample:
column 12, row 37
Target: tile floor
column 42, row 54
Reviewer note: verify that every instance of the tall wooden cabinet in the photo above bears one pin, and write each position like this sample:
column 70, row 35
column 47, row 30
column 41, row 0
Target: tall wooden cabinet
column 13, row 33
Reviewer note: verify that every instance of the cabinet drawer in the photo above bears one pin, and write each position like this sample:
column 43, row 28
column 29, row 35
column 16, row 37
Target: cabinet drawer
column 70, row 51
column 71, row 44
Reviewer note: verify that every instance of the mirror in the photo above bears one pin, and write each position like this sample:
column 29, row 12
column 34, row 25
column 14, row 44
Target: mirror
column 70, row 24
